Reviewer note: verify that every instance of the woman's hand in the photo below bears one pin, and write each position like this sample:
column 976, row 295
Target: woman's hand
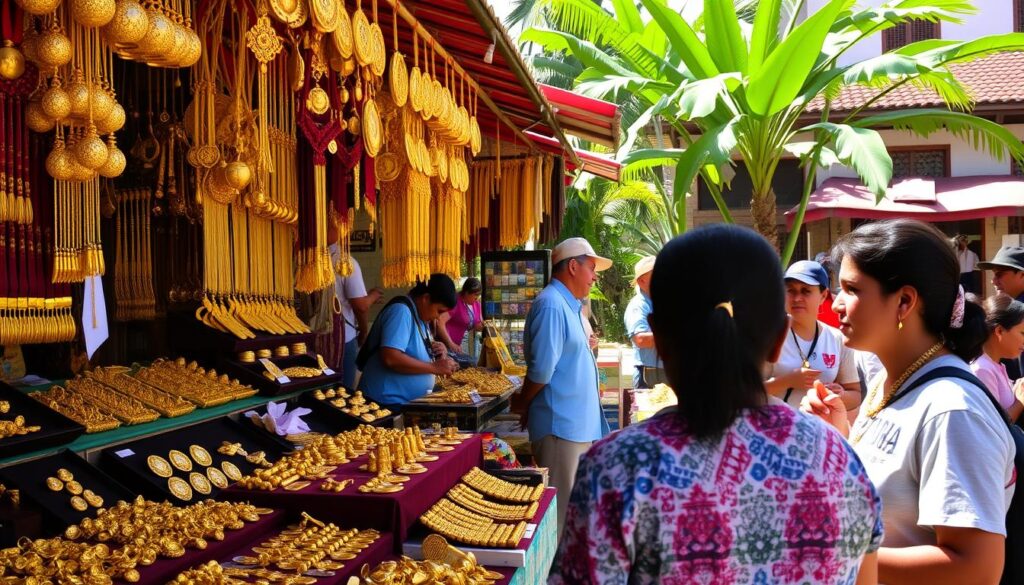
column 826, row 405
column 800, row 379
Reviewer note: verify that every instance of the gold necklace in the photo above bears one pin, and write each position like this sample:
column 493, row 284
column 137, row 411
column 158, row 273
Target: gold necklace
column 873, row 411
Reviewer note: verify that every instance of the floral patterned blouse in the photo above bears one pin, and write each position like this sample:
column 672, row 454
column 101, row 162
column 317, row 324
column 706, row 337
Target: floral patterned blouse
column 779, row 499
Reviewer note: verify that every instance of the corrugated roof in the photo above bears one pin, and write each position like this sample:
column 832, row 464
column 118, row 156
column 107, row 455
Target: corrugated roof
column 996, row 79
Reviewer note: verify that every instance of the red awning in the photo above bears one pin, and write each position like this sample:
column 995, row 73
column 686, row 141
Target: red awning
column 946, row 199
column 592, row 163
column 588, row 118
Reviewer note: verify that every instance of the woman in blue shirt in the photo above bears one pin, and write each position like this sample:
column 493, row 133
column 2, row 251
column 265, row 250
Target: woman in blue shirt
column 400, row 366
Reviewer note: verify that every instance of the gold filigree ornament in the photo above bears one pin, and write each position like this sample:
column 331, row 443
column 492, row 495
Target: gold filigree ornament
column 388, row 166
column 217, row 477
column 180, row 488
column 324, row 15
column 200, row 455
column 380, row 56
column 362, row 36
column 231, row 470
column 342, row 35
column 200, row 483
column 263, row 41
column 318, row 101
column 290, row 12
column 373, row 130
column 159, row 466
column 179, row 460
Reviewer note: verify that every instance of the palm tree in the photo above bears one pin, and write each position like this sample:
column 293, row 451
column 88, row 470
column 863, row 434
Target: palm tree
column 729, row 86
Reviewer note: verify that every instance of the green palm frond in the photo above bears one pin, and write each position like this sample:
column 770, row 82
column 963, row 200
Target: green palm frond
column 982, row 134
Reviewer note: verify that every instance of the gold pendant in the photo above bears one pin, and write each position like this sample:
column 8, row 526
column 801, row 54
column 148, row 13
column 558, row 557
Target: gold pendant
column 318, row 101
column 807, row 365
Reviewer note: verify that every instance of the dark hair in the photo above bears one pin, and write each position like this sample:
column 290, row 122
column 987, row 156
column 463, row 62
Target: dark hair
column 715, row 361
column 906, row 252
column 472, row 286
column 440, row 287
column 1004, row 311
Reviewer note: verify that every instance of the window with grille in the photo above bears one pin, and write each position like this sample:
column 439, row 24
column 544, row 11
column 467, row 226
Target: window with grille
column 800, row 251
column 933, row 162
column 788, row 184
column 1018, row 15
column 910, row 32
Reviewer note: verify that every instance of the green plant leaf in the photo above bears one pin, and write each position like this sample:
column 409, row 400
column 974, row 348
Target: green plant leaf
column 700, row 98
column 778, row 82
column 982, row 134
column 627, row 14
column 766, row 33
column 863, row 150
column 684, row 42
column 826, row 157
column 585, row 51
column 723, row 37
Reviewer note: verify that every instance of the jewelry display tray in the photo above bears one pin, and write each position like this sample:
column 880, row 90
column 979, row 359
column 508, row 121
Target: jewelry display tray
column 340, row 420
column 30, row 478
column 57, row 429
column 127, row 462
column 252, row 374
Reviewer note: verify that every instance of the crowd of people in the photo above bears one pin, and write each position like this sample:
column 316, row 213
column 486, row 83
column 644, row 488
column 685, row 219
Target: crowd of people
column 879, row 450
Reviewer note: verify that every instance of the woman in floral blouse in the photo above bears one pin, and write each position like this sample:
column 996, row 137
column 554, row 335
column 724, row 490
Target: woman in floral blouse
column 733, row 486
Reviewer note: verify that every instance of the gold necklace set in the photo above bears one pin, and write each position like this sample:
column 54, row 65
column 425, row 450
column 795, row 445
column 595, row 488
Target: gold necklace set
column 133, row 265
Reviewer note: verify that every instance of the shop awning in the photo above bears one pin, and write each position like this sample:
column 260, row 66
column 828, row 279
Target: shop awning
column 945, row 199
column 472, row 35
column 588, row 118
column 590, row 162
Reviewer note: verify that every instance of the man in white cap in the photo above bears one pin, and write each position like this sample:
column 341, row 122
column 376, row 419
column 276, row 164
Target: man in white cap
column 645, row 357
column 560, row 403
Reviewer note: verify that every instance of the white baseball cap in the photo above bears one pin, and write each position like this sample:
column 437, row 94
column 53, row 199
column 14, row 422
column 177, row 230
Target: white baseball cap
column 645, row 265
column 574, row 247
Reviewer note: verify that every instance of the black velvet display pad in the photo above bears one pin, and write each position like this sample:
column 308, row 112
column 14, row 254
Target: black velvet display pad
column 30, row 478
column 57, row 429
column 128, row 462
column 342, row 421
column 252, row 374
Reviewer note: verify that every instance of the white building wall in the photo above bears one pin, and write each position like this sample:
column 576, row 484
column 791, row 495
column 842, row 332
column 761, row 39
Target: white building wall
column 993, row 17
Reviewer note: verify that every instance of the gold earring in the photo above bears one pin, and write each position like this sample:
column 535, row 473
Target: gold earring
column 899, row 325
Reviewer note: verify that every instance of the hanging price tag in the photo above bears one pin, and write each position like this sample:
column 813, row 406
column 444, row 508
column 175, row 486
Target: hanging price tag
column 275, row 371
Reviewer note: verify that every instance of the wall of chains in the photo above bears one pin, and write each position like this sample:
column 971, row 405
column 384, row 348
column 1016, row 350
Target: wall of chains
column 193, row 156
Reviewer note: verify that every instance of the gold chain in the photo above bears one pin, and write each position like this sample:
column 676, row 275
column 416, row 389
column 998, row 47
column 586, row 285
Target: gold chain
column 873, row 411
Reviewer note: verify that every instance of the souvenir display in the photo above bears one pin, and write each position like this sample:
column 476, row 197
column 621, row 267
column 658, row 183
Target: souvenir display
column 193, row 383
column 308, row 545
column 501, row 490
column 168, row 405
column 133, row 263
column 442, row 563
column 484, row 382
column 77, row 408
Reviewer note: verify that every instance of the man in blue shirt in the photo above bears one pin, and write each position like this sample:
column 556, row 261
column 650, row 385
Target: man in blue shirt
column 560, row 403
column 645, row 356
column 400, row 366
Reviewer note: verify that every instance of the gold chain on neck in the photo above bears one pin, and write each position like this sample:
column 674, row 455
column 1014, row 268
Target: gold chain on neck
column 872, row 411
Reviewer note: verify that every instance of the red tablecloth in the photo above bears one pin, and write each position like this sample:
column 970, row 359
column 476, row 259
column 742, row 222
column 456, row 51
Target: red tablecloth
column 395, row 513
column 165, row 570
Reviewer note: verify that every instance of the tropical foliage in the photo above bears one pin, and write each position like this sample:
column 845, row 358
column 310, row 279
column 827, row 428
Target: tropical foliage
column 756, row 80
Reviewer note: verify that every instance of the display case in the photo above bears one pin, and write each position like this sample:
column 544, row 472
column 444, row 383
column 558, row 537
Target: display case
column 512, row 280
column 55, row 428
column 163, row 466
column 64, row 487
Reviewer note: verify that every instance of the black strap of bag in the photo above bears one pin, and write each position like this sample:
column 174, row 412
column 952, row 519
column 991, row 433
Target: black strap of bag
column 1013, row 569
column 372, row 344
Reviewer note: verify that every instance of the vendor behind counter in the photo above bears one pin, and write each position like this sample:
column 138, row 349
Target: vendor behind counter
column 398, row 360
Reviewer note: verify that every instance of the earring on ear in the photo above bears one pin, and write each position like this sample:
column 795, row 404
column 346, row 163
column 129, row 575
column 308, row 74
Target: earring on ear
column 899, row 325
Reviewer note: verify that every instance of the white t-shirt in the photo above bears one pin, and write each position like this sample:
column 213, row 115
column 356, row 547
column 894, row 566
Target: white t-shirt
column 968, row 260
column 871, row 366
column 939, row 456
column 830, row 356
column 348, row 287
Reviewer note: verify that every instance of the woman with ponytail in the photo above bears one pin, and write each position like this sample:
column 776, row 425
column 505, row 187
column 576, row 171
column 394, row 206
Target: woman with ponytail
column 733, row 485
column 933, row 443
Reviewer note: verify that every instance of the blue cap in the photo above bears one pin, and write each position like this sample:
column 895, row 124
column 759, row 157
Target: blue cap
column 808, row 272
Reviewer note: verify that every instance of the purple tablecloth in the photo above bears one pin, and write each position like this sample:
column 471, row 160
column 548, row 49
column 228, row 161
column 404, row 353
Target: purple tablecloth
column 165, row 570
column 395, row 513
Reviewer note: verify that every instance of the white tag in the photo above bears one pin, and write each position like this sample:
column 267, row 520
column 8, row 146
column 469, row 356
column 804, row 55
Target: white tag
column 124, row 453
column 275, row 371
column 328, row 372
column 475, row 397
column 530, row 529
column 516, row 380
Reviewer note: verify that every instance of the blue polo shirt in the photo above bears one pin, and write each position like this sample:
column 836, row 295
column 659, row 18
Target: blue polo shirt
column 637, row 310
column 396, row 327
column 558, row 355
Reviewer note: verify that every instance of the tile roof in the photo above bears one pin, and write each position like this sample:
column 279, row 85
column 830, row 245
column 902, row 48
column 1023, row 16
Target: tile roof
column 996, row 79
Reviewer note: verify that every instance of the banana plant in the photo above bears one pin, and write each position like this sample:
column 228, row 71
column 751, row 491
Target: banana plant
column 742, row 80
